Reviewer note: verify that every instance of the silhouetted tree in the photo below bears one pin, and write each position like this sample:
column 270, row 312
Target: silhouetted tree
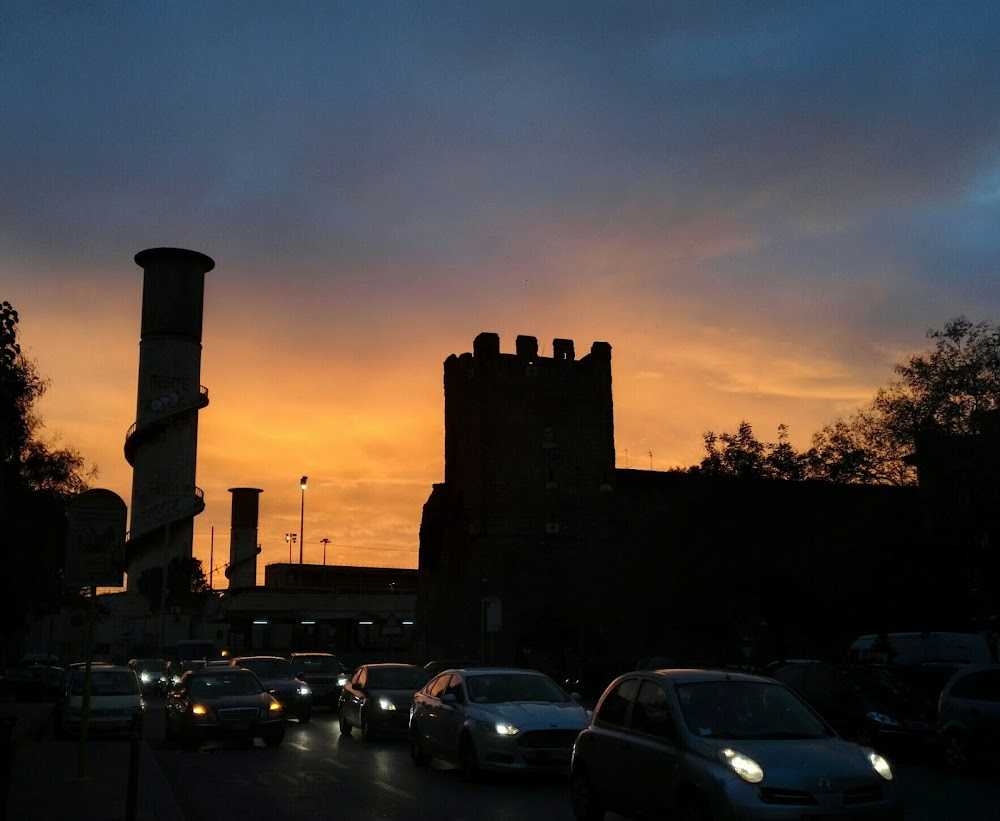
column 945, row 389
column 744, row 456
column 186, row 584
column 36, row 481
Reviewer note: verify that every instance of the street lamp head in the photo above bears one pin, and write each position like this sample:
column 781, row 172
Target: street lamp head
column 302, row 482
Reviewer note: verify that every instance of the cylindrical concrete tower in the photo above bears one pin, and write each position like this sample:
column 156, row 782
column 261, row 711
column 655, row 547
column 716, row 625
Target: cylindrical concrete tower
column 162, row 445
column 243, row 548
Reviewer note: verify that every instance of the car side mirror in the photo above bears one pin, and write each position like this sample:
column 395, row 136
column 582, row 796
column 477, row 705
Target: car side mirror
column 448, row 698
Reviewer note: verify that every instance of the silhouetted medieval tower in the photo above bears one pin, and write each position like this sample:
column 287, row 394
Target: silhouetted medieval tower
column 162, row 445
column 529, row 469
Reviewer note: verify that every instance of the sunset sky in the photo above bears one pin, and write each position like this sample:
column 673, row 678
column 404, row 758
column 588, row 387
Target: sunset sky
column 761, row 207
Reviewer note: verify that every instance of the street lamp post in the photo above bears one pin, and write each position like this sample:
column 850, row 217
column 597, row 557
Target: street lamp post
column 302, row 517
column 290, row 538
column 325, row 543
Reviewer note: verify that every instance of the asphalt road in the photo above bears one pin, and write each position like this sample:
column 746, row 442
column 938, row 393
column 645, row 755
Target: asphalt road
column 317, row 773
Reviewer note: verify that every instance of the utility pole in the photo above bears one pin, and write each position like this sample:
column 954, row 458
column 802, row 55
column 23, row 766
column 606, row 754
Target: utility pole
column 325, row 543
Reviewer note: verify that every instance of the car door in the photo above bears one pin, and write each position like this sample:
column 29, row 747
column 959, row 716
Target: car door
column 649, row 758
column 607, row 745
column 426, row 709
column 441, row 718
column 354, row 696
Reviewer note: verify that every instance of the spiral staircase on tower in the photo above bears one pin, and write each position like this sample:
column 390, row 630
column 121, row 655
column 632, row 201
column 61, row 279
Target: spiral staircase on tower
column 164, row 413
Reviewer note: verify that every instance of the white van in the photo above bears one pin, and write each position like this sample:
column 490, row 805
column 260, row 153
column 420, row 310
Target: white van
column 921, row 648
column 116, row 704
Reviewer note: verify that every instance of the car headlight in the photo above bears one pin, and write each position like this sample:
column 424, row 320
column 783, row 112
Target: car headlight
column 304, row 690
column 880, row 765
column 341, row 681
column 145, row 677
column 274, row 707
column 882, row 718
column 497, row 727
column 386, row 704
column 199, row 710
column 744, row 766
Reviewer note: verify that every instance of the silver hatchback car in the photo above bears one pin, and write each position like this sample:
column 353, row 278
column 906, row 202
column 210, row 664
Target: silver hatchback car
column 697, row 744
column 969, row 716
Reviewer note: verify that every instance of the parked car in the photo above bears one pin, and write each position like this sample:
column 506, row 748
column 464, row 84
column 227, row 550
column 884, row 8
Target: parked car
column 969, row 716
column 324, row 674
column 495, row 718
column 866, row 704
column 222, row 702
column 115, row 707
column 692, row 744
column 377, row 699
column 152, row 674
column 275, row 673
column 33, row 683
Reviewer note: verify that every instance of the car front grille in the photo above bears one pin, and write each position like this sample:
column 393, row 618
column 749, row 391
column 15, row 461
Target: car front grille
column 238, row 714
column 548, row 739
column 864, row 795
column 779, row 795
column 869, row 794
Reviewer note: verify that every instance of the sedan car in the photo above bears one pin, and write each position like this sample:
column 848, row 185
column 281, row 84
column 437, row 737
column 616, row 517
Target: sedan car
column 698, row 744
column 866, row 704
column 221, row 702
column 377, row 699
column 152, row 675
column 323, row 673
column 495, row 718
column 275, row 673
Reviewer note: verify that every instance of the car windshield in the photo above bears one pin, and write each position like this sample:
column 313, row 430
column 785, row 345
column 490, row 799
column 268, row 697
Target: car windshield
column 150, row 665
column 269, row 668
column 746, row 709
column 107, row 683
column 496, row 688
column 225, row 684
column 397, row 678
column 316, row 664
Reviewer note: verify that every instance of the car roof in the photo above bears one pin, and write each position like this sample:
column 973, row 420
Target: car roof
column 696, row 675
column 269, row 658
column 295, row 655
column 475, row 671
column 219, row 670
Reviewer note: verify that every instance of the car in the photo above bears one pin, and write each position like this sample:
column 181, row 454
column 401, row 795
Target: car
column 222, row 702
column 115, row 707
column 152, row 674
column 275, row 673
column 33, row 683
column 324, row 674
column 969, row 716
column 689, row 744
column 175, row 671
column 377, row 699
column 436, row 666
column 495, row 718
column 866, row 704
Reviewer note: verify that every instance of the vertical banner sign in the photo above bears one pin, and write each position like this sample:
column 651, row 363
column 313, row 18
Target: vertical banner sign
column 95, row 541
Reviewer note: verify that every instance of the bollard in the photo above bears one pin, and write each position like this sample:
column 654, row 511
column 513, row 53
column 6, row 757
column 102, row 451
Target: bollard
column 7, row 723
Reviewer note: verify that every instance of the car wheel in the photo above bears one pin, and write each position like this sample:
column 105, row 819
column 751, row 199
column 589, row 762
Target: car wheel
column 345, row 725
column 692, row 807
column 305, row 715
column 417, row 754
column 468, row 760
column 956, row 750
column 584, row 799
column 274, row 737
column 367, row 731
